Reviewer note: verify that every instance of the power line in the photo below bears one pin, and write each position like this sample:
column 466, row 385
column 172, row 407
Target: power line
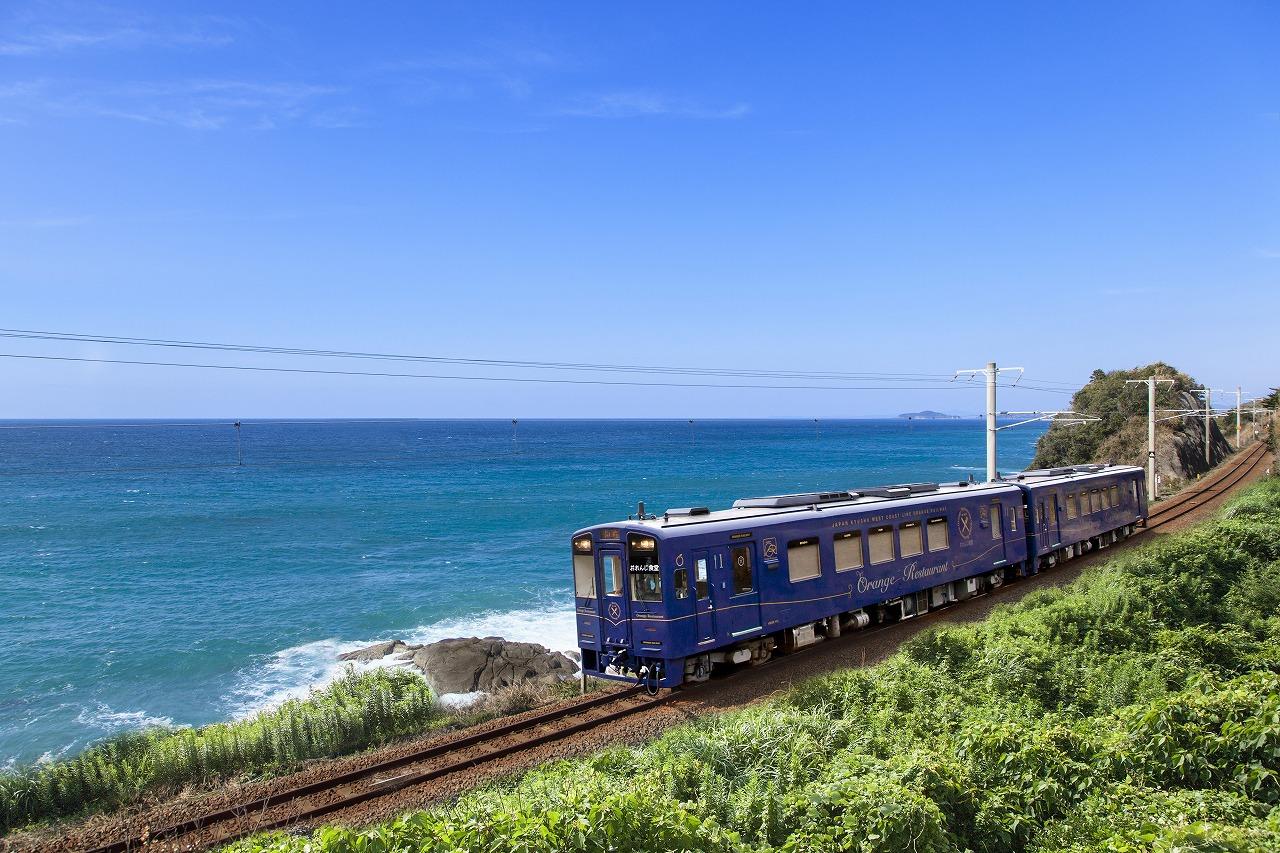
column 487, row 362
column 459, row 377
column 75, row 337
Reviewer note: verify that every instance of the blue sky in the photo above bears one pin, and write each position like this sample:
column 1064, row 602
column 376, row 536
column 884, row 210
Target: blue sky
column 832, row 186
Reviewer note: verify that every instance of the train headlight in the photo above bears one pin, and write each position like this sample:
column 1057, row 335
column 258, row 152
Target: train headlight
column 582, row 545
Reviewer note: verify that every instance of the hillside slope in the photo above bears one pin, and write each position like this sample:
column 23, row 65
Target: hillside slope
column 1121, row 435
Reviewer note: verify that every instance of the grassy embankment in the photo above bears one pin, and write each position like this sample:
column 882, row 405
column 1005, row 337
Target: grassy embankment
column 1137, row 709
column 359, row 711
column 356, row 712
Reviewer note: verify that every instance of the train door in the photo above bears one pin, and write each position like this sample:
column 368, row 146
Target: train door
column 997, row 532
column 704, row 613
column 615, row 613
column 735, row 591
column 1052, row 532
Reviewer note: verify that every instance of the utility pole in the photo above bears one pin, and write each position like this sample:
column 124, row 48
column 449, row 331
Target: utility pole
column 992, row 373
column 1151, row 383
column 1237, row 417
column 1208, row 414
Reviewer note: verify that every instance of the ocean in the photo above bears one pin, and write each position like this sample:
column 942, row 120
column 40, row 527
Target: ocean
column 149, row 578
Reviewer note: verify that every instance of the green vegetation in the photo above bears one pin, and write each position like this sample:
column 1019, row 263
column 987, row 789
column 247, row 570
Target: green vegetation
column 1137, row 709
column 1122, row 430
column 355, row 712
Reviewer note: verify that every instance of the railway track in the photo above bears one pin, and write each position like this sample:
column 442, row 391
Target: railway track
column 304, row 804
column 1220, row 483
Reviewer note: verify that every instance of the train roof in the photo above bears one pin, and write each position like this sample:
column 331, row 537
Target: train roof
column 1070, row 473
column 806, row 506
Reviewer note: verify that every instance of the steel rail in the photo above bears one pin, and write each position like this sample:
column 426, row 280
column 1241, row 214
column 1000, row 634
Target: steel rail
column 1177, row 507
column 1182, row 503
column 260, row 805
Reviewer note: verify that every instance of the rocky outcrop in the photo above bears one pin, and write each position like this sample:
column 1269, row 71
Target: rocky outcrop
column 375, row 652
column 1121, row 433
column 471, row 664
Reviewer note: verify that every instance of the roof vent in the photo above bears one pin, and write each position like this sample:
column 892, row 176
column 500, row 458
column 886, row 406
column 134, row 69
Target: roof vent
column 902, row 491
column 780, row 501
column 688, row 510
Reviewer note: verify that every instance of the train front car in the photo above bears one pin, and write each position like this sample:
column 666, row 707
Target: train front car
column 622, row 584
column 665, row 600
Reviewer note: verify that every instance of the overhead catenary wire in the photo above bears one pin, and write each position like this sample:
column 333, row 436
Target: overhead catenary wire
column 76, row 337
column 469, row 378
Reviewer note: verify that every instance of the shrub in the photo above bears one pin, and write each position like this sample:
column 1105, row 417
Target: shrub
column 355, row 712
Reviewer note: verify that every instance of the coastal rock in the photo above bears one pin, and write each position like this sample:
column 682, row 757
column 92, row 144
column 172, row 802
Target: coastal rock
column 471, row 664
column 485, row 664
column 375, row 652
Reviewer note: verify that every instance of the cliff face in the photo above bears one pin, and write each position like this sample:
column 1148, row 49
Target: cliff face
column 1121, row 435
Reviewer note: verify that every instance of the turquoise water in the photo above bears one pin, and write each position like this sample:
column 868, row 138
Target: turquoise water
column 148, row 579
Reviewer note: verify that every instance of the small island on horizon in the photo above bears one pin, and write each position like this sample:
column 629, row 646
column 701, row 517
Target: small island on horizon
column 929, row 415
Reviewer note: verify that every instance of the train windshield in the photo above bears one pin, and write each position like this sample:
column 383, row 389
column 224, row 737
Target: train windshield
column 646, row 577
column 646, row 586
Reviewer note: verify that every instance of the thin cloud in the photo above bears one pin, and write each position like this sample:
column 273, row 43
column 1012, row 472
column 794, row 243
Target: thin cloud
column 1269, row 254
column 1128, row 291
column 640, row 104
column 464, row 74
column 473, row 62
column 60, row 40
column 45, row 222
column 195, row 104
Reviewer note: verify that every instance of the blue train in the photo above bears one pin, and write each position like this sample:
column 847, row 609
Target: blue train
column 662, row 600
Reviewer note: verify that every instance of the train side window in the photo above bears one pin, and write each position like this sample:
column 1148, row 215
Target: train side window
column 700, row 577
column 848, row 551
column 1115, row 496
column 584, row 575
column 1013, row 521
column 612, row 566
column 682, row 583
column 742, row 582
column 880, row 544
column 939, row 534
column 909, row 539
column 1133, row 487
column 646, row 586
column 1095, row 501
column 996, row 532
column 1105, row 494
column 1071, row 506
column 803, row 560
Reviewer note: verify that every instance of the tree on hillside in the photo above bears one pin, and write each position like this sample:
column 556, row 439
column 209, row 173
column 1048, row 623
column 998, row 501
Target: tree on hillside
column 1106, row 396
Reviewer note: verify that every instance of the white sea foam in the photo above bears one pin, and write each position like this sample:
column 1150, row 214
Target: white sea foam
column 554, row 626
column 967, row 468
column 295, row 672
column 461, row 700
column 110, row 721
